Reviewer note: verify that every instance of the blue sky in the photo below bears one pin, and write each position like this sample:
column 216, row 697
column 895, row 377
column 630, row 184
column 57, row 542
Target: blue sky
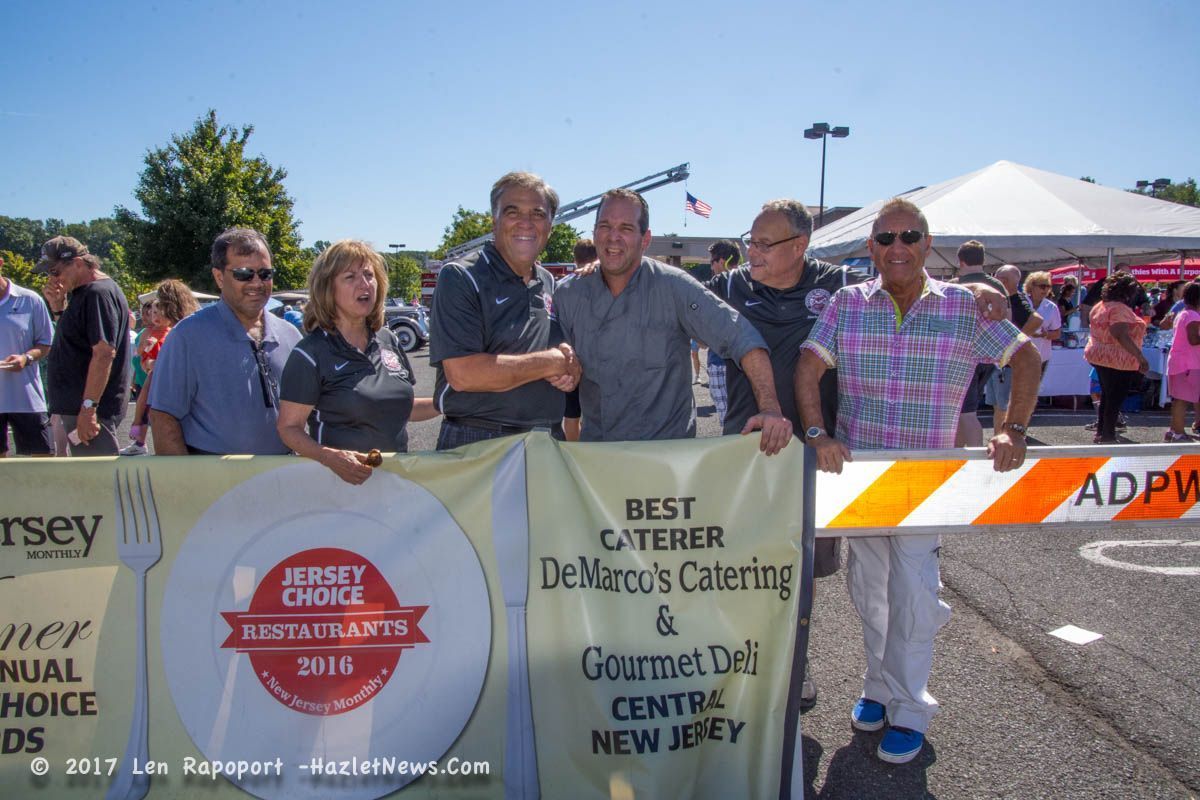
column 389, row 115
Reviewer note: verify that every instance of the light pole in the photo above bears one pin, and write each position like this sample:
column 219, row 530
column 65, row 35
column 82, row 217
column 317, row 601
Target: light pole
column 396, row 248
column 820, row 130
column 1160, row 183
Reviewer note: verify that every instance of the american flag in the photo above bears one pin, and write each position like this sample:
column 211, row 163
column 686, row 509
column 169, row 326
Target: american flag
column 697, row 206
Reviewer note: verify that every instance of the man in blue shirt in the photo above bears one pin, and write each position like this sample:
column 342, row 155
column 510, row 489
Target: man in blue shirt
column 216, row 381
column 25, row 336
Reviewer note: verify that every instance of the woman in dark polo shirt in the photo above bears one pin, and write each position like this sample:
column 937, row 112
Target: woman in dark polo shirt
column 348, row 379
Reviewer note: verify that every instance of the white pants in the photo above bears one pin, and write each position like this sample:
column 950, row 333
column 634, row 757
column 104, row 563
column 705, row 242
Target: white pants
column 894, row 584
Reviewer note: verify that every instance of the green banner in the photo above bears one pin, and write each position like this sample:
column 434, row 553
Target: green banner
column 519, row 617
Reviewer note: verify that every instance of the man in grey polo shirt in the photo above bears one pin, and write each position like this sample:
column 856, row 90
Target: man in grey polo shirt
column 631, row 322
column 25, row 336
column 216, row 381
column 501, row 365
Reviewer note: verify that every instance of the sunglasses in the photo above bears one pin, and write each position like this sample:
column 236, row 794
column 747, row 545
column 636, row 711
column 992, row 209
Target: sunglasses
column 244, row 274
column 885, row 238
column 266, row 381
column 765, row 247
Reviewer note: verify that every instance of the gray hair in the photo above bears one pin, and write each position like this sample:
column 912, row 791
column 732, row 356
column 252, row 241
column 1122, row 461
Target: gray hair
column 898, row 205
column 798, row 216
column 523, row 180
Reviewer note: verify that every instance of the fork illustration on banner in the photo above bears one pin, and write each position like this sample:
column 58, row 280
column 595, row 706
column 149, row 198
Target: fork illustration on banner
column 140, row 547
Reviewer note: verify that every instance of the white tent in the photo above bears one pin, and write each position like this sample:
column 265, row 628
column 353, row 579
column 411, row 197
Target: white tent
column 1027, row 216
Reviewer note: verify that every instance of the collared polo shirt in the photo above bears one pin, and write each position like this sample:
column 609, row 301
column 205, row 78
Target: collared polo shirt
column 636, row 349
column 784, row 317
column 361, row 400
column 482, row 306
column 207, row 377
column 902, row 378
column 1022, row 309
column 24, row 324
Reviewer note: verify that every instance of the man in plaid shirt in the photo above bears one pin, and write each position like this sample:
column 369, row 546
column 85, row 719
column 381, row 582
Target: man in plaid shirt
column 905, row 348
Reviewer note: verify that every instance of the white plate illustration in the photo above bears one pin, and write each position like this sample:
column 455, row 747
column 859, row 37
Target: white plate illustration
column 390, row 528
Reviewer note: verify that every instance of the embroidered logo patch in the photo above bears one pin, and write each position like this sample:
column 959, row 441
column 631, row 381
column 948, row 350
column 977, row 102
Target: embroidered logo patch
column 816, row 300
column 391, row 362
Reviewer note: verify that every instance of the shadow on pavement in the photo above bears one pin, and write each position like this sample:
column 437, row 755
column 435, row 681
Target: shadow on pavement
column 855, row 772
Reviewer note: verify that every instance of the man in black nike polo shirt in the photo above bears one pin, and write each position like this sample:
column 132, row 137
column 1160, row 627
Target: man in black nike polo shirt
column 502, row 366
column 781, row 291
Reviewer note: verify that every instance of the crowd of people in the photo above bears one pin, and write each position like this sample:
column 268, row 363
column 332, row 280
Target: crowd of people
column 798, row 348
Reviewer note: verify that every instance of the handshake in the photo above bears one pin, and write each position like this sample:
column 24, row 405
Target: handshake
column 569, row 370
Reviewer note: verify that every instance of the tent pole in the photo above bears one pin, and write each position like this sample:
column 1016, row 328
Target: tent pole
column 1109, row 270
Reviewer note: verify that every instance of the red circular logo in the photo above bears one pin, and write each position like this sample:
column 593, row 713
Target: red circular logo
column 324, row 631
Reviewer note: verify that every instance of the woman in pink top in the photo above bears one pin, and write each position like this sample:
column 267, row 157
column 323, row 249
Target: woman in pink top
column 1183, row 363
column 1115, row 350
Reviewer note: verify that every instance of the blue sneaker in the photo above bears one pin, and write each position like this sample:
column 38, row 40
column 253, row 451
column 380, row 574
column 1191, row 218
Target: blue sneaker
column 900, row 745
column 867, row 715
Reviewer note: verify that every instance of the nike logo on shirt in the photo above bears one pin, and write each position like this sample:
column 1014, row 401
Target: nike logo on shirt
column 753, row 303
column 341, row 366
column 500, row 300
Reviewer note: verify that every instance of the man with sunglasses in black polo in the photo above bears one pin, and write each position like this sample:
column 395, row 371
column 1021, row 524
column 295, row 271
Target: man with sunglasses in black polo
column 88, row 374
column 216, row 381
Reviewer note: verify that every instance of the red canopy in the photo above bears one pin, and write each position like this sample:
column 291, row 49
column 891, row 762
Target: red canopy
column 1159, row 271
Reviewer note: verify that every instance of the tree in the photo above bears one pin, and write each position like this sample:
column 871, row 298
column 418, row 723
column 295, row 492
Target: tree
column 1185, row 193
column 19, row 270
column 404, row 276
column 465, row 226
column 194, row 188
column 22, row 236
column 26, row 236
column 117, row 267
column 561, row 246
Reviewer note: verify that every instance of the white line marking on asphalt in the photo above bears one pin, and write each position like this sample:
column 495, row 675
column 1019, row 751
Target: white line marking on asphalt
column 1076, row 635
column 1095, row 552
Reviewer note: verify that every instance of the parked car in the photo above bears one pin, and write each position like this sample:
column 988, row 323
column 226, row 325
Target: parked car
column 409, row 323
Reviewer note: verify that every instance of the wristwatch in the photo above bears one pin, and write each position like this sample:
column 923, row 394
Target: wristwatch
column 87, row 403
column 814, row 432
column 1015, row 427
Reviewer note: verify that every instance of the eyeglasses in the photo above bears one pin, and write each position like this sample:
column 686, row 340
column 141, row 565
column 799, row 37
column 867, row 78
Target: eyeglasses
column 885, row 238
column 57, row 269
column 766, row 246
column 244, row 274
column 270, row 388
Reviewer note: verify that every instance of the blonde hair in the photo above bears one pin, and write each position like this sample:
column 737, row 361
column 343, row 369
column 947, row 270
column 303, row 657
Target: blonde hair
column 321, row 310
column 1037, row 277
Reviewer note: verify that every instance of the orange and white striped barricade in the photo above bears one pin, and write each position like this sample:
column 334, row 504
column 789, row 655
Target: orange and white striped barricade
column 957, row 491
